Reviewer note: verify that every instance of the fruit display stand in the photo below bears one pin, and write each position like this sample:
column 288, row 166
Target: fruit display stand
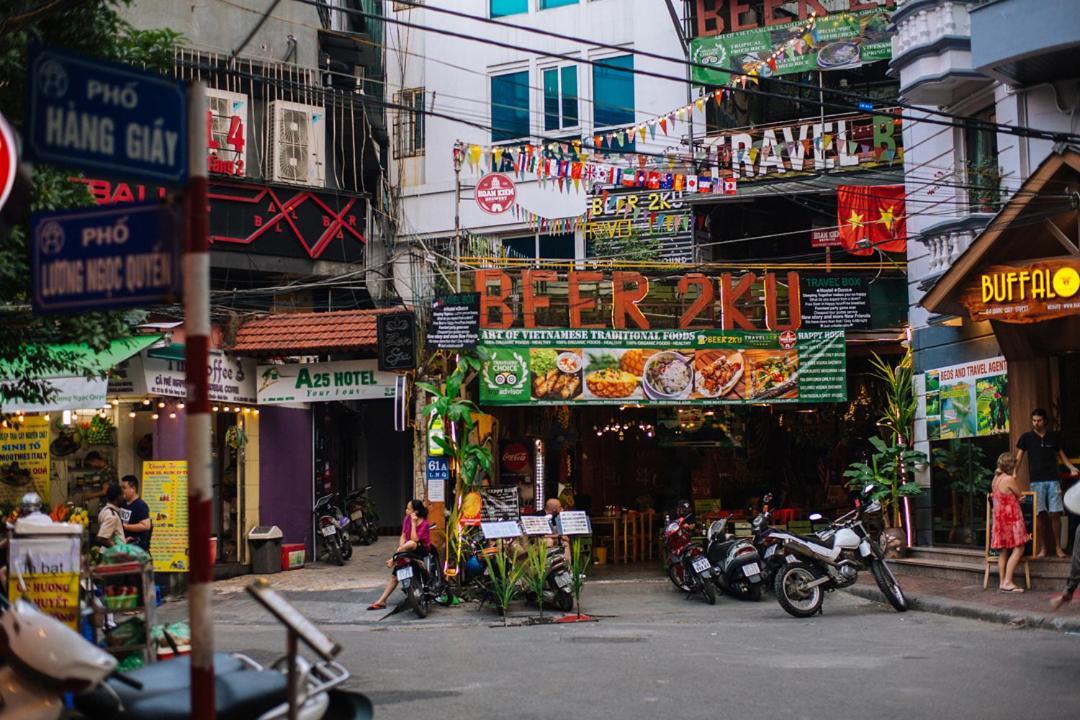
column 140, row 604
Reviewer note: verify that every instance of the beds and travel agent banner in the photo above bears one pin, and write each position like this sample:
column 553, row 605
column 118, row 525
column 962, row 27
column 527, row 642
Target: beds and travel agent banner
column 662, row 367
column 968, row 400
column 834, row 42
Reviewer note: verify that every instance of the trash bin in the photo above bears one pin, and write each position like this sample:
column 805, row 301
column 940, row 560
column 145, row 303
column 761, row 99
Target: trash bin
column 265, row 542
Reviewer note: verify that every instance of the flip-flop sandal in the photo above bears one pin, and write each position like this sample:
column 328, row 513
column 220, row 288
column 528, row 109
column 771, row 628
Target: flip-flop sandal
column 376, row 606
column 1012, row 590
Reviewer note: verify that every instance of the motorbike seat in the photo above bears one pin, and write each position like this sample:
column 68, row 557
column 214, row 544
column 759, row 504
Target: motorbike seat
column 817, row 540
column 166, row 692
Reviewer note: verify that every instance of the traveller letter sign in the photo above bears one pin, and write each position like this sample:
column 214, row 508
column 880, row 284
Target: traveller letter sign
column 102, row 258
column 104, row 116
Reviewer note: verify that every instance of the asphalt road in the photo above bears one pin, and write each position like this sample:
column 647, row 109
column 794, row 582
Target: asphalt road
column 653, row 654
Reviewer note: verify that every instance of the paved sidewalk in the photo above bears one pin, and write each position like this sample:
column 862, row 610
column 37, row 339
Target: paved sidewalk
column 949, row 597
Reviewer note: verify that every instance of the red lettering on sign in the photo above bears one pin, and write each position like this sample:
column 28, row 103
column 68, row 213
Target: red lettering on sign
column 794, row 303
column 530, row 301
column 577, row 304
column 496, row 301
column 731, row 317
column 704, row 298
column 628, row 289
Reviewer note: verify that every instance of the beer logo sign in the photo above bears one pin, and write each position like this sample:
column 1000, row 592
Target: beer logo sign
column 495, row 193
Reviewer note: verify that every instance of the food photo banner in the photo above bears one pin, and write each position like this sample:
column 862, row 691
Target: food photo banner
column 832, row 42
column 662, row 367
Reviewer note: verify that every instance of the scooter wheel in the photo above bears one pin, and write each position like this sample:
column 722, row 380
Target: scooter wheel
column 709, row 591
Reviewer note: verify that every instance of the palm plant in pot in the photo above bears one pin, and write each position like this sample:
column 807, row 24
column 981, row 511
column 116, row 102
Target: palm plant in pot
column 965, row 466
column 892, row 465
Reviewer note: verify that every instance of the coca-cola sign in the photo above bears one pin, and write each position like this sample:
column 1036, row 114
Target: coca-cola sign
column 515, row 458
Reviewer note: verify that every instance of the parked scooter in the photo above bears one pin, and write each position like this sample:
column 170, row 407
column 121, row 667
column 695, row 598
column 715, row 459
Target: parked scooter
column 689, row 568
column 420, row 577
column 831, row 559
column 361, row 511
column 46, row 659
column 332, row 528
column 735, row 561
column 765, row 544
column 558, row 582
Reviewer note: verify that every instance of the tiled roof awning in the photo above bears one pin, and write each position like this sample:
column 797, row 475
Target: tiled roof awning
column 311, row 333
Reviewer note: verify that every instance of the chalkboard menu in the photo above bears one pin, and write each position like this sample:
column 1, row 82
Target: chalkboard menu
column 455, row 322
column 397, row 341
column 835, row 302
column 500, row 503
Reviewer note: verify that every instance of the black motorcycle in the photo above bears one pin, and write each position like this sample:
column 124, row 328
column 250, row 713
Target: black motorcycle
column 558, row 582
column 420, row 576
column 365, row 521
column 736, row 564
column 332, row 530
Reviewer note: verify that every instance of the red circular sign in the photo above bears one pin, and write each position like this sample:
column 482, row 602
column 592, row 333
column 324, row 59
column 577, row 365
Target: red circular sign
column 495, row 193
column 9, row 162
column 788, row 339
column 515, row 458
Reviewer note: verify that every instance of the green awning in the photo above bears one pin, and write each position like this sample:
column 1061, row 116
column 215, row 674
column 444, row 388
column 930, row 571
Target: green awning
column 85, row 358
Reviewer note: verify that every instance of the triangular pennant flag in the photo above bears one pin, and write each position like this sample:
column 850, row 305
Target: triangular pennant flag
column 772, row 62
column 700, row 102
column 652, row 129
column 663, row 124
column 828, row 141
column 641, row 132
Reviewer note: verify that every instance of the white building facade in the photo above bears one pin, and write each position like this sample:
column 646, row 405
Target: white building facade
column 463, row 90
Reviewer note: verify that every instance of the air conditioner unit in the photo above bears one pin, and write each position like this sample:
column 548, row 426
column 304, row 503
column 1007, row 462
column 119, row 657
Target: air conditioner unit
column 298, row 133
column 228, row 131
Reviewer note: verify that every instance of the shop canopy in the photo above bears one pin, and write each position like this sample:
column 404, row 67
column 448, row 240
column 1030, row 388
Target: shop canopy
column 311, row 333
column 73, row 390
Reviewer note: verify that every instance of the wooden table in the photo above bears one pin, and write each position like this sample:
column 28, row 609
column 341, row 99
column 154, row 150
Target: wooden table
column 627, row 528
column 615, row 523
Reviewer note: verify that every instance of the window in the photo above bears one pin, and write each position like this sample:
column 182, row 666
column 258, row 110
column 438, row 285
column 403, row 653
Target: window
column 501, row 8
column 510, row 106
column 409, row 131
column 548, row 4
column 981, row 161
column 613, row 91
column 560, row 98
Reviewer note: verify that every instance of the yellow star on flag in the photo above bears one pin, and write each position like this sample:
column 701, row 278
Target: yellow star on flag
column 887, row 217
column 855, row 220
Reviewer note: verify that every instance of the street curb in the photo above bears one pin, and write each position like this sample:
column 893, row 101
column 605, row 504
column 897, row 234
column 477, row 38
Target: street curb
column 974, row 611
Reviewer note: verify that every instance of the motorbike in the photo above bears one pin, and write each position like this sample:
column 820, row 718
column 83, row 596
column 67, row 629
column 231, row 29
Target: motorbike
column 736, row 563
column 46, row 659
column 762, row 539
column 364, row 527
column 830, row 559
column 420, row 577
column 333, row 529
column 689, row 568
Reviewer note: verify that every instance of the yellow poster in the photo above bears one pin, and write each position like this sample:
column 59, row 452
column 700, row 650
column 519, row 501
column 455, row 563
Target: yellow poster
column 165, row 490
column 45, row 571
column 24, row 459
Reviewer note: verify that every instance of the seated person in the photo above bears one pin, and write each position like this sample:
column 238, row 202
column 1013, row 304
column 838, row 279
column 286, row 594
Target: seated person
column 415, row 536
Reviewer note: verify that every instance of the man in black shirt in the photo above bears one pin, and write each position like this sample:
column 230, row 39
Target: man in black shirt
column 135, row 513
column 1043, row 448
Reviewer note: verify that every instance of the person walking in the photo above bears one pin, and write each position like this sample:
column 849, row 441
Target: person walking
column 1072, row 503
column 415, row 534
column 1009, row 533
column 1043, row 449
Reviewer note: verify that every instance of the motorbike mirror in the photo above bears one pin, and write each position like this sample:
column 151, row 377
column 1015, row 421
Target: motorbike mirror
column 868, row 489
column 814, row 517
column 767, row 498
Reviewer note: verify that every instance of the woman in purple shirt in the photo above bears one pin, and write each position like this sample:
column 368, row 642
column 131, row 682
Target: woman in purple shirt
column 415, row 533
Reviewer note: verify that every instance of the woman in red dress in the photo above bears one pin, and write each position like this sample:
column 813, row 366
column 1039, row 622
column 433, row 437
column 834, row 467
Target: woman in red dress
column 1009, row 533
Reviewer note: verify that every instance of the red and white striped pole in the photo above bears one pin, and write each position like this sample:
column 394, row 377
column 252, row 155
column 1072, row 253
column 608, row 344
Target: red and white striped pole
column 196, row 355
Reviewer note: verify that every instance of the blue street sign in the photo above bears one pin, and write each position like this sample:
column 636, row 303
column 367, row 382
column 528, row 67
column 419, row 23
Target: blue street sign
column 438, row 468
column 105, row 117
column 104, row 258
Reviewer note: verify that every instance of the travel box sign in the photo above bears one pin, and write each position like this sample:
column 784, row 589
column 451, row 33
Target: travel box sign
column 96, row 115
column 662, row 367
column 323, row 382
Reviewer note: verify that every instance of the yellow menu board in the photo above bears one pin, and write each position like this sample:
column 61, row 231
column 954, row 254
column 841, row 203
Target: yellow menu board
column 165, row 490
column 24, row 459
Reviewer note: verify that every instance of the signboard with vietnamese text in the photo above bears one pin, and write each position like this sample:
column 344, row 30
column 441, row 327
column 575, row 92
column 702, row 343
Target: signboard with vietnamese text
column 45, row 571
column 232, row 379
column 455, row 322
column 967, row 400
column 105, row 116
column 103, row 258
column 835, row 301
column 323, row 382
column 1041, row 290
column 24, row 459
column 662, row 367
column 165, row 490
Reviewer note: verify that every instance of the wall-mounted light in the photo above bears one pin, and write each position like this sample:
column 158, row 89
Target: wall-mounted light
column 172, row 416
column 155, row 416
column 146, row 401
column 161, row 403
column 180, row 406
column 216, row 408
column 538, row 449
column 227, row 409
column 131, row 414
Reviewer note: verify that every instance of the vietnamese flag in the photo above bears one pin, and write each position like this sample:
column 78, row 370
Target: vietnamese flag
column 871, row 217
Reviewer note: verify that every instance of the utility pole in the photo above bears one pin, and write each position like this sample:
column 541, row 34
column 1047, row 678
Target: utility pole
column 459, row 157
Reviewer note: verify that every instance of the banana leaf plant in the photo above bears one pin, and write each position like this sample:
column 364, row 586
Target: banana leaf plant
column 537, row 564
column 504, row 574
column 580, row 559
column 890, row 471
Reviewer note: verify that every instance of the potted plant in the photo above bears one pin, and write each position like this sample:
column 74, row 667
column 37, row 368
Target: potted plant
column 984, row 193
column 504, row 575
column 892, row 466
column 580, row 559
column 537, row 566
column 965, row 466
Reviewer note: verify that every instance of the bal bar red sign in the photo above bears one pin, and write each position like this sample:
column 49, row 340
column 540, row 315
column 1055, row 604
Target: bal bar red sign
column 495, row 193
column 9, row 161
